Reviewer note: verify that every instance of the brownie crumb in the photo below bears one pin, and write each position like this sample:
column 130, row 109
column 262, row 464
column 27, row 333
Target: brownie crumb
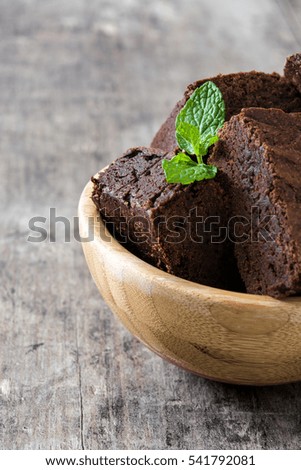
column 292, row 70
column 240, row 90
column 259, row 157
column 180, row 229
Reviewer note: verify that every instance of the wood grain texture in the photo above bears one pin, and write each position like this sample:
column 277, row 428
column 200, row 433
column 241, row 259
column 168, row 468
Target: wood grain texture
column 81, row 81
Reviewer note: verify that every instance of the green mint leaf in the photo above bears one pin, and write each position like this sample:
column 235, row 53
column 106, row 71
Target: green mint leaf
column 206, row 143
column 182, row 169
column 188, row 138
column 205, row 113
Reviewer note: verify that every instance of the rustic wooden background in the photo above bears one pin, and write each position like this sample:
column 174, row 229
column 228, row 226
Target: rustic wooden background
column 81, row 81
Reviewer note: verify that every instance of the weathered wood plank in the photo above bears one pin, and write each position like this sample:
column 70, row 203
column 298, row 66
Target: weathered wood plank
column 291, row 11
column 79, row 83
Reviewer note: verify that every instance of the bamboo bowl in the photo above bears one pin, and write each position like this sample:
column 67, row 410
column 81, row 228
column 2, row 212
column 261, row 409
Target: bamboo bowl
column 221, row 335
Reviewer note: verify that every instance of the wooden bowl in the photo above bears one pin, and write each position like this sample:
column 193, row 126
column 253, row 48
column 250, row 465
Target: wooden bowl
column 221, row 335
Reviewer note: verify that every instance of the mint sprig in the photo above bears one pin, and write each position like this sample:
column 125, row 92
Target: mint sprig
column 182, row 169
column 197, row 125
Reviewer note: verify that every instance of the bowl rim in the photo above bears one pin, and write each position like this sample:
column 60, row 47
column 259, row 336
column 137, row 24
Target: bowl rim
column 89, row 218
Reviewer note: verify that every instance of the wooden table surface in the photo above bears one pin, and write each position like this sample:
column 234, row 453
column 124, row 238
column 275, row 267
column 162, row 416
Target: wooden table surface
column 80, row 82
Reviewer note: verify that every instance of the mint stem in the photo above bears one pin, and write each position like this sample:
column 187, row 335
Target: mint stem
column 199, row 159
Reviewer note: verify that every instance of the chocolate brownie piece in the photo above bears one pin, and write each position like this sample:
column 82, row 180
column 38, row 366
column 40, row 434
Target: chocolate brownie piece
column 240, row 90
column 292, row 70
column 180, row 229
column 259, row 161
